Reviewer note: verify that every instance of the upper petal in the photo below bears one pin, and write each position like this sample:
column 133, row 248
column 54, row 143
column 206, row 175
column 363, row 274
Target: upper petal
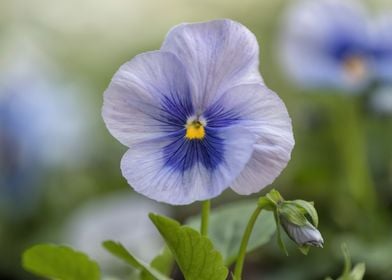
column 217, row 55
column 150, row 171
column 148, row 97
column 269, row 119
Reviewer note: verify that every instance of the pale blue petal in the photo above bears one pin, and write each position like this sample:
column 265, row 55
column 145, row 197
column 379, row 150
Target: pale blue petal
column 253, row 106
column 218, row 55
column 269, row 119
column 135, row 104
column 309, row 30
column 146, row 169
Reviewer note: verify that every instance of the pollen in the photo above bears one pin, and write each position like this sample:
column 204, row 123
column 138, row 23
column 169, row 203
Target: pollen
column 195, row 130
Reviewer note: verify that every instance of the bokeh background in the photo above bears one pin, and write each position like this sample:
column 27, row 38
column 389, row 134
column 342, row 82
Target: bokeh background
column 60, row 177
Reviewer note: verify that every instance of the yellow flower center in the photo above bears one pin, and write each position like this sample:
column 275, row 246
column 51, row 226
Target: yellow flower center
column 355, row 67
column 195, row 130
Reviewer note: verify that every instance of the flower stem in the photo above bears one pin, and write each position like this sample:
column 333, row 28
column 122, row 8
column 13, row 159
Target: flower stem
column 205, row 215
column 244, row 244
column 351, row 136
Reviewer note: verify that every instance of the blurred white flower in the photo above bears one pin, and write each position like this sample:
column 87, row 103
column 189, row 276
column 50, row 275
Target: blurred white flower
column 121, row 217
column 381, row 100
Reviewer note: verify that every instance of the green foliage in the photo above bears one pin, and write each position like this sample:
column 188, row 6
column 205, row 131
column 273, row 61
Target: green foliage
column 275, row 197
column 162, row 263
column 279, row 234
column 357, row 273
column 195, row 254
column 227, row 226
column 59, row 262
column 118, row 250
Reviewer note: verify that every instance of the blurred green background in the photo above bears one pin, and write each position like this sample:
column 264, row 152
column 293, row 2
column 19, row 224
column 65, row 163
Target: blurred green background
column 73, row 191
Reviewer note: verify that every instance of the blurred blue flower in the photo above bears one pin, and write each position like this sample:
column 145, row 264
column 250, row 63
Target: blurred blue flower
column 39, row 128
column 197, row 116
column 335, row 44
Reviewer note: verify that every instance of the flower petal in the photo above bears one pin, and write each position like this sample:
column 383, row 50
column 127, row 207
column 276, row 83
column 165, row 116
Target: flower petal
column 148, row 97
column 218, row 55
column 245, row 105
column 146, row 169
column 268, row 118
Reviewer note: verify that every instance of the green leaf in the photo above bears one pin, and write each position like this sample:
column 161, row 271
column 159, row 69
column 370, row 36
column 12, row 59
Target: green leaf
column 358, row 272
column 279, row 234
column 195, row 254
column 309, row 208
column 275, row 197
column 347, row 259
column 292, row 213
column 162, row 263
column 118, row 250
column 227, row 226
column 304, row 249
column 59, row 262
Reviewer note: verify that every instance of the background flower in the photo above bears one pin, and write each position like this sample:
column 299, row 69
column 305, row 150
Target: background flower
column 41, row 126
column 122, row 217
column 327, row 44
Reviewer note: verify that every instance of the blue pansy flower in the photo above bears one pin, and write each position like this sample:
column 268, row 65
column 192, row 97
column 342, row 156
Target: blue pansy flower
column 335, row 44
column 197, row 117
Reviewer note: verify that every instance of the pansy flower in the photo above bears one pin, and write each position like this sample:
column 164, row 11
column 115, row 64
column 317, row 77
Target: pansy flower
column 335, row 44
column 197, row 117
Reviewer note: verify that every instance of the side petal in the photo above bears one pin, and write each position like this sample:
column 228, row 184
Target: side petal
column 268, row 118
column 148, row 97
column 146, row 170
column 217, row 54
column 250, row 106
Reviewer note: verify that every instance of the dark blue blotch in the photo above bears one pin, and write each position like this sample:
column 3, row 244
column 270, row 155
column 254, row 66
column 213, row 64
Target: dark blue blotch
column 343, row 45
column 217, row 116
column 182, row 154
column 176, row 108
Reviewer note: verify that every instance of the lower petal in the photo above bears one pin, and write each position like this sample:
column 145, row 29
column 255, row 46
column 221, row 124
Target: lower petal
column 144, row 166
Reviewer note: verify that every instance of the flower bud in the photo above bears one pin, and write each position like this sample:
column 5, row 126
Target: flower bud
column 305, row 235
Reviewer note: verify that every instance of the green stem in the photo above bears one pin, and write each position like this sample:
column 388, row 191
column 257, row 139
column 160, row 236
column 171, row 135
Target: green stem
column 205, row 215
column 353, row 150
column 244, row 244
